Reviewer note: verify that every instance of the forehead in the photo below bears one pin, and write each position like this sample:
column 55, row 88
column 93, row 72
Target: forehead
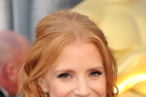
column 79, row 55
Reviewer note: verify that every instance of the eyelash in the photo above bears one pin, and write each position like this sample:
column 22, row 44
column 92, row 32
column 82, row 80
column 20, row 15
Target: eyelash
column 95, row 73
column 64, row 75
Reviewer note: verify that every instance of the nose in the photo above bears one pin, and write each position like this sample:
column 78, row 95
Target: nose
column 82, row 89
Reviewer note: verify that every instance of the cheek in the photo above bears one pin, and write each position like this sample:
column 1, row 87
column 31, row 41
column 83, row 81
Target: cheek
column 100, row 87
column 60, row 89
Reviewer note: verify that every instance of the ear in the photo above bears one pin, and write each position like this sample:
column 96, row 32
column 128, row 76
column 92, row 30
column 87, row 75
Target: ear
column 11, row 71
column 42, row 84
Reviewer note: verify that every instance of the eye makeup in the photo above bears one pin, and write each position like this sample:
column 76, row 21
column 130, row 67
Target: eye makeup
column 64, row 75
column 95, row 73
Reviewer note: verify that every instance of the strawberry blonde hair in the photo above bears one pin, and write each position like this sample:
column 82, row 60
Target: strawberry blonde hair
column 53, row 33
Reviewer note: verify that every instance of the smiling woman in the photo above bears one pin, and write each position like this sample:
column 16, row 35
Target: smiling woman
column 70, row 58
column 78, row 70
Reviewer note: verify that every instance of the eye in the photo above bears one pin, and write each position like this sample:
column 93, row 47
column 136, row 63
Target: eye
column 64, row 76
column 95, row 73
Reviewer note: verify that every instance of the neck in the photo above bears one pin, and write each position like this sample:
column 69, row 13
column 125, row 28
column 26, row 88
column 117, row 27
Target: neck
column 4, row 91
column 4, row 84
column 7, row 86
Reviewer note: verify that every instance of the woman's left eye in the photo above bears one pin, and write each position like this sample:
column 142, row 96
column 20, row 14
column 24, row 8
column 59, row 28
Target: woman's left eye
column 95, row 73
column 64, row 76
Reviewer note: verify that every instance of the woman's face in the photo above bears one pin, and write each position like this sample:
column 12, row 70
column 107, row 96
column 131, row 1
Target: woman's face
column 78, row 72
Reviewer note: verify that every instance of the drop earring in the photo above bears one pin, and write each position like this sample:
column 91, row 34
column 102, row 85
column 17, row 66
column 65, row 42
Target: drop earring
column 46, row 94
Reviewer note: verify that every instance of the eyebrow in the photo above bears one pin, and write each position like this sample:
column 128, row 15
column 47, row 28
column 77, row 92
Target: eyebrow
column 64, row 71
column 96, row 68
column 71, row 70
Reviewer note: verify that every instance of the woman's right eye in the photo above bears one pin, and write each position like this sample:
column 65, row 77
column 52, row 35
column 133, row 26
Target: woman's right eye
column 64, row 76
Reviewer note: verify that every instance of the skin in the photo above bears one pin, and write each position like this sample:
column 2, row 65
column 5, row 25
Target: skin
column 78, row 72
column 14, row 49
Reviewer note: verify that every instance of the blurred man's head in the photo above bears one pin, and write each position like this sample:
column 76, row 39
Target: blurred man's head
column 14, row 49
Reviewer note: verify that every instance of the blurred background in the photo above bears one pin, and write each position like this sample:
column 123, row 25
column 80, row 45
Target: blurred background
column 122, row 21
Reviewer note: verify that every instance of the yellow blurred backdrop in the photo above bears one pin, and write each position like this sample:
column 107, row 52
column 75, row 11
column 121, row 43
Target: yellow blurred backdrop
column 124, row 25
